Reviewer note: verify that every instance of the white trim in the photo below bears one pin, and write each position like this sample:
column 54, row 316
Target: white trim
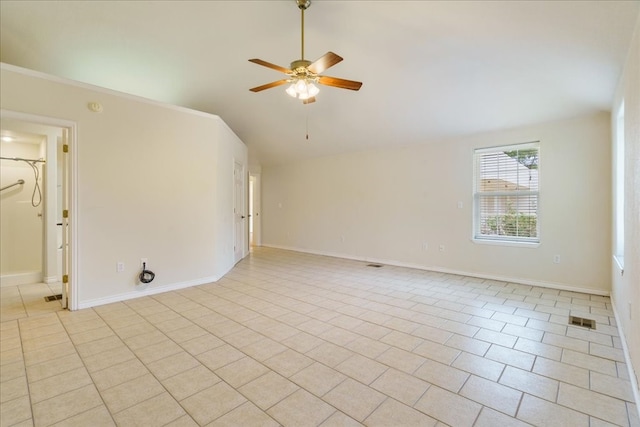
column 516, row 146
column 146, row 291
column 505, row 242
column 17, row 279
column 627, row 357
column 517, row 280
column 50, row 279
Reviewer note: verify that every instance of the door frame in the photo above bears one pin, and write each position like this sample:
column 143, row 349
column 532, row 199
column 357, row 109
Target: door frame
column 240, row 202
column 72, row 303
column 256, row 204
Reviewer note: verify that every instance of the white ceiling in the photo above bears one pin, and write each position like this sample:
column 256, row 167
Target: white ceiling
column 431, row 70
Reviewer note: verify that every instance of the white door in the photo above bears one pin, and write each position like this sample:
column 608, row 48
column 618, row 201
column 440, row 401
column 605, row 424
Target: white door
column 239, row 214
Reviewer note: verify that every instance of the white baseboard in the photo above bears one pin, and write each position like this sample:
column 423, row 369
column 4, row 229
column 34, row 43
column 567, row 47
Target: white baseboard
column 518, row 280
column 16, row 279
column 142, row 291
column 627, row 357
column 51, row 279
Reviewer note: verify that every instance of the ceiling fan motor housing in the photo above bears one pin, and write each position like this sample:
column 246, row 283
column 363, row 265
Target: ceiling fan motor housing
column 303, row 4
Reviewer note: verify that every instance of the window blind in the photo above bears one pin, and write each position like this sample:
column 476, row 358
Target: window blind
column 506, row 193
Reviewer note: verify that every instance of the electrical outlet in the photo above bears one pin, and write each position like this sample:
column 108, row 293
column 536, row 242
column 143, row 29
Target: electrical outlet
column 460, row 205
column 556, row 259
column 441, row 248
column 144, row 261
column 342, row 239
column 425, row 246
column 120, row 266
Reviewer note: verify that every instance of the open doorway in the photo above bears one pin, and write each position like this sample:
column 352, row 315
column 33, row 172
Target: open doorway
column 35, row 256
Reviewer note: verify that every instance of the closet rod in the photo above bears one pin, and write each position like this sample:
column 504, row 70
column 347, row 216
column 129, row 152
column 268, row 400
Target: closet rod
column 20, row 182
column 24, row 160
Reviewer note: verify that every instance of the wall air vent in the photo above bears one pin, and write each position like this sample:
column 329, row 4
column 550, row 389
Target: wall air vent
column 579, row 321
column 374, row 265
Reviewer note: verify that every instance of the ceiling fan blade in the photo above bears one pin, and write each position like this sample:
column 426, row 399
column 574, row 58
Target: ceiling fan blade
column 326, row 61
column 270, row 65
column 309, row 100
column 269, row 85
column 341, row 83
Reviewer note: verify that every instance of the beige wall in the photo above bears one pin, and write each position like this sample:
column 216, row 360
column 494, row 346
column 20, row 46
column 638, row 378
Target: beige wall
column 626, row 288
column 383, row 205
column 153, row 181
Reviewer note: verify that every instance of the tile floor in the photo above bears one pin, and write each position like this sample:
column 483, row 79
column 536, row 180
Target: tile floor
column 301, row 340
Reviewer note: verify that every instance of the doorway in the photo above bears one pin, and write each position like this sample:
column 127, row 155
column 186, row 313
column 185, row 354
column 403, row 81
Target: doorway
column 239, row 211
column 36, row 228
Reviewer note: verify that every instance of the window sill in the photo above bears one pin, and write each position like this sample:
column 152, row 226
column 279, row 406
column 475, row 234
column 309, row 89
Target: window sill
column 497, row 242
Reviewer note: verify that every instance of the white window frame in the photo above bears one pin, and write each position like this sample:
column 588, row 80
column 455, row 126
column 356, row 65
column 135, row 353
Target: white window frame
column 477, row 195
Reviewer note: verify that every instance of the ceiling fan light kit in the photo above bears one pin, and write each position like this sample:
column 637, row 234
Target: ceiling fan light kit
column 303, row 75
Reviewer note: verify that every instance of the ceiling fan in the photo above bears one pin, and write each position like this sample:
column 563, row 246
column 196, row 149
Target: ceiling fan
column 302, row 74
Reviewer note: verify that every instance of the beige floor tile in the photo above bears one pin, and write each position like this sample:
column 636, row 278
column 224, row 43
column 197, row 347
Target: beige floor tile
column 562, row 372
column 401, row 359
column 491, row 418
column 302, row 342
column 58, row 384
column 190, row 382
column 288, row 362
column 470, row 345
column 531, row 383
column 131, row 393
column 438, row 402
column 592, row 403
column 540, row 412
column 95, row 417
column 107, row 359
column 66, row 405
column 241, row 372
column 368, row 347
column 593, row 363
column 172, row 365
column 318, row 378
column 361, row 368
column 219, row 357
column 393, row 413
column 245, row 415
column 442, row 375
column 301, row 409
column 508, row 356
column 118, row 374
column 268, row 390
column 496, row 396
column 401, row 386
column 157, row 411
column 292, row 322
column 15, row 411
column 201, row 344
column 338, row 419
column 611, row 386
column 13, row 389
column 479, row 366
column 342, row 395
column 213, row 402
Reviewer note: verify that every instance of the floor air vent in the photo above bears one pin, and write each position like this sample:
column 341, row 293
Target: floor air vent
column 579, row 321
column 53, row 298
column 374, row 265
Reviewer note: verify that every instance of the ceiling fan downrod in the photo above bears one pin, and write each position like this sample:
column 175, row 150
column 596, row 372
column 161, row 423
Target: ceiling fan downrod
column 302, row 5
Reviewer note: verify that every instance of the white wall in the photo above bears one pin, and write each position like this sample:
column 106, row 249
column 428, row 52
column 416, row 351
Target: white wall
column 626, row 288
column 384, row 204
column 152, row 182
column 20, row 222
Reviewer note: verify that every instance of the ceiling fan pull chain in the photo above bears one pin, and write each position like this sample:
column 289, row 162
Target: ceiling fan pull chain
column 307, row 123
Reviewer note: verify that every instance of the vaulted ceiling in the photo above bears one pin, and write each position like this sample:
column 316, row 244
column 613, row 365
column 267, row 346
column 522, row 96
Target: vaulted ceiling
column 431, row 70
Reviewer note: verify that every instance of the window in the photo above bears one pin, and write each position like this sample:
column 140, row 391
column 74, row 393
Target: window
column 506, row 193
